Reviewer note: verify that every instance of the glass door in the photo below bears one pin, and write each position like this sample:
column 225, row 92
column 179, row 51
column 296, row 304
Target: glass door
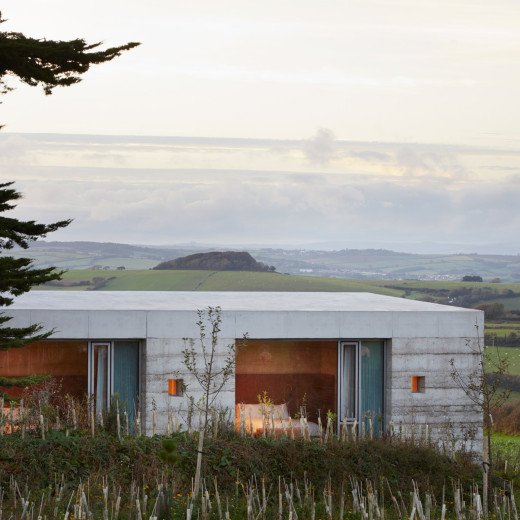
column 113, row 368
column 125, row 383
column 100, row 375
column 361, row 384
column 372, row 384
column 348, row 381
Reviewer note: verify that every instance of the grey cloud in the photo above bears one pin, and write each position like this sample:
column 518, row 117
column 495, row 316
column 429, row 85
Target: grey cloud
column 371, row 156
column 437, row 198
column 417, row 162
column 15, row 150
column 273, row 207
column 320, row 148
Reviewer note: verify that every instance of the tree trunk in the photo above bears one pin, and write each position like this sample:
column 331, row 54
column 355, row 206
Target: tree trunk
column 199, row 463
column 486, row 470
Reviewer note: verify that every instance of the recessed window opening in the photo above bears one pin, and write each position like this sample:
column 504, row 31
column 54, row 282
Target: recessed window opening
column 175, row 387
column 418, row 384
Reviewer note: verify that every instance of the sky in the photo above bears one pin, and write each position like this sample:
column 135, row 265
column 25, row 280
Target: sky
column 286, row 122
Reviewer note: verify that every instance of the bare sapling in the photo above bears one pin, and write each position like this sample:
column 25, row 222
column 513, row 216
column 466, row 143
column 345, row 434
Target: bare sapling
column 481, row 386
column 212, row 366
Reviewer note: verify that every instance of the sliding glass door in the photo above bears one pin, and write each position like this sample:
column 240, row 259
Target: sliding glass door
column 114, row 373
column 361, row 383
column 372, row 376
column 125, row 384
column 99, row 375
column 348, row 380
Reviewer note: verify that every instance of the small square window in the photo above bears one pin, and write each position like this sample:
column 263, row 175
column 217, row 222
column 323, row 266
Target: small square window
column 175, row 387
column 418, row 384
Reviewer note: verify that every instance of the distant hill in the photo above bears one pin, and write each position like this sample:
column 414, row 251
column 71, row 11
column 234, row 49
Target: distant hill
column 367, row 264
column 216, row 261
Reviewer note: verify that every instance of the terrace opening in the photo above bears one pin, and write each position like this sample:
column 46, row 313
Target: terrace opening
column 302, row 374
column 311, row 378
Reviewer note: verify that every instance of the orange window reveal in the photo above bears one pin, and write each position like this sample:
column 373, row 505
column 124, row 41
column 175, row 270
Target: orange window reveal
column 175, row 387
column 417, row 384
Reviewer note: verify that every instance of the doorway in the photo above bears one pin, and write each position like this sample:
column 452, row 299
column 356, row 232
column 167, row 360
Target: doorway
column 113, row 368
column 361, row 383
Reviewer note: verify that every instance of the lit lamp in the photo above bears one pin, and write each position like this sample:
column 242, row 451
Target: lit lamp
column 175, row 387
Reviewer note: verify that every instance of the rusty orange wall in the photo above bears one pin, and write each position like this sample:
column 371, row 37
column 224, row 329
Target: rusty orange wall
column 64, row 360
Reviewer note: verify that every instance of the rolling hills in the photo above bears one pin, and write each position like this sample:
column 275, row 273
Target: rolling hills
column 191, row 280
column 366, row 264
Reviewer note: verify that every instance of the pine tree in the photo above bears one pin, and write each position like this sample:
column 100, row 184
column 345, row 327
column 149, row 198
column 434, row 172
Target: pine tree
column 50, row 64
column 17, row 275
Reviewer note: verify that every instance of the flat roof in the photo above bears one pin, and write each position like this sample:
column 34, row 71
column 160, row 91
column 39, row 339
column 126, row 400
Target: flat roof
column 228, row 301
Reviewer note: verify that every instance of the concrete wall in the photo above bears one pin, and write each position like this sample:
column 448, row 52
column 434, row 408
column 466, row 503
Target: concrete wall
column 442, row 403
column 164, row 360
column 443, row 406
column 422, row 343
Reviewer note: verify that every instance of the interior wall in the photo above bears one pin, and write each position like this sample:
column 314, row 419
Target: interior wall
column 296, row 372
column 65, row 360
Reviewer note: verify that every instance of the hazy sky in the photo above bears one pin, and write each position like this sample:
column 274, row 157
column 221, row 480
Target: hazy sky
column 334, row 120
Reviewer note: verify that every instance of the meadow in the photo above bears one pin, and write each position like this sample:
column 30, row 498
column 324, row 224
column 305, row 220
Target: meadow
column 511, row 354
column 192, row 280
column 187, row 280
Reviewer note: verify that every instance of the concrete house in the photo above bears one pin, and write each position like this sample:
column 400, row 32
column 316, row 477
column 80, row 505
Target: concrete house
column 356, row 355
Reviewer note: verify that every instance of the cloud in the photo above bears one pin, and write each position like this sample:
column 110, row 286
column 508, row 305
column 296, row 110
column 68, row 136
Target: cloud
column 242, row 207
column 419, row 162
column 391, row 192
column 15, row 150
column 320, row 148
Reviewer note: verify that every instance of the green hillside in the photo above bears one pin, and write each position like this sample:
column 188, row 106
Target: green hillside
column 511, row 354
column 188, row 280
column 204, row 280
column 364, row 264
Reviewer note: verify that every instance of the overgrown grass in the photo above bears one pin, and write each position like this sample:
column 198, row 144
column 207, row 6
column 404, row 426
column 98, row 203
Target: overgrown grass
column 104, row 476
column 506, row 454
column 79, row 457
column 508, row 446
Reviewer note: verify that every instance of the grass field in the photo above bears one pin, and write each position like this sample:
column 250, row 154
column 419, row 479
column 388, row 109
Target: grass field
column 149, row 280
column 146, row 279
column 501, row 330
column 512, row 354
column 440, row 284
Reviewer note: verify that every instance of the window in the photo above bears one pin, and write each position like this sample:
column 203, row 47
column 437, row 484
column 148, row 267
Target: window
column 175, row 387
column 417, row 384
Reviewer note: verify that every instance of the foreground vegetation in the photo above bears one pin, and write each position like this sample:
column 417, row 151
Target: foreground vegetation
column 105, row 477
column 58, row 459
